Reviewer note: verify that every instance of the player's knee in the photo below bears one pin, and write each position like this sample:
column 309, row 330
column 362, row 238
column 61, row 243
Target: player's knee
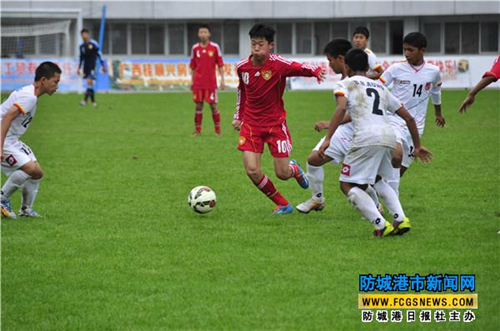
column 253, row 172
column 396, row 162
column 314, row 159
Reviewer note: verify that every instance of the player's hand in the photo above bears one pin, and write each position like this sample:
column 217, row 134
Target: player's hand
column 423, row 154
column 222, row 86
column 323, row 148
column 440, row 121
column 321, row 76
column 236, row 125
column 79, row 72
column 467, row 103
column 321, row 125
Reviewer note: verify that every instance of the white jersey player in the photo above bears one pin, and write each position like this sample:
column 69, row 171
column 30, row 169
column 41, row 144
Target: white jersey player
column 360, row 38
column 369, row 159
column 18, row 160
column 339, row 144
column 414, row 82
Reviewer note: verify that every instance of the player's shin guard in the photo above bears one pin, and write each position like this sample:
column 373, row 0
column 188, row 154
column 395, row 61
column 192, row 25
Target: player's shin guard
column 216, row 118
column 198, row 115
column 365, row 205
column 266, row 186
column 373, row 194
column 29, row 192
column 390, row 199
column 316, row 176
column 87, row 94
column 15, row 180
column 394, row 180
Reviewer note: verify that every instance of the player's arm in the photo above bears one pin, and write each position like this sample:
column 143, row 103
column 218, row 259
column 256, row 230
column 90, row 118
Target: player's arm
column 377, row 72
column 192, row 67
column 99, row 56
column 420, row 151
column 485, row 81
column 240, row 104
column 11, row 114
column 324, row 125
column 82, row 59
column 221, row 73
column 336, row 120
column 293, row 69
column 436, row 100
column 387, row 76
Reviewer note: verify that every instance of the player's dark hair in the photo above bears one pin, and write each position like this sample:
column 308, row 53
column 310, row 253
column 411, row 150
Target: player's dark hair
column 262, row 31
column 84, row 30
column 416, row 39
column 205, row 26
column 357, row 60
column 47, row 70
column 362, row 30
column 338, row 47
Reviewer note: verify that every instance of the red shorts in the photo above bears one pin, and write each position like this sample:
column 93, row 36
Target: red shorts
column 252, row 139
column 207, row 95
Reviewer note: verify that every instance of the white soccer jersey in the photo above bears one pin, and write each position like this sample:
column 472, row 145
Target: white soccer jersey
column 372, row 61
column 413, row 86
column 367, row 103
column 25, row 101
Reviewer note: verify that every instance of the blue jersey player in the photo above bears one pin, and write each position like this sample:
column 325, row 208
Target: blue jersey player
column 89, row 53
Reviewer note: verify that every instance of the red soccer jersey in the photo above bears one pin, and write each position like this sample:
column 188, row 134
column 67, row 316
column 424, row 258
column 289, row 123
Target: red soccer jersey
column 260, row 91
column 203, row 62
column 495, row 70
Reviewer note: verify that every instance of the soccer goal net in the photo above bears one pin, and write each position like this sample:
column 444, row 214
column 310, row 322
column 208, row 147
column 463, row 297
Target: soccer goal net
column 35, row 38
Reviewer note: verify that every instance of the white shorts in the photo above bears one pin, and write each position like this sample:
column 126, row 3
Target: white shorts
column 16, row 154
column 363, row 164
column 338, row 148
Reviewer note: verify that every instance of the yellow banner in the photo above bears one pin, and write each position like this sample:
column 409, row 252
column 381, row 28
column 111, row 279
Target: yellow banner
column 414, row 301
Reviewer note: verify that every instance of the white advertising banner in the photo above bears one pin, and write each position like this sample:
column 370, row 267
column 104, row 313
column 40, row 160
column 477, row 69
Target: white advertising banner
column 457, row 71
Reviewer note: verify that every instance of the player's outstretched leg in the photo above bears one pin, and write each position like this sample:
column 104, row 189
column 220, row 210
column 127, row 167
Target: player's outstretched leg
column 316, row 177
column 299, row 174
column 401, row 223
column 215, row 117
column 373, row 194
column 365, row 205
column 15, row 181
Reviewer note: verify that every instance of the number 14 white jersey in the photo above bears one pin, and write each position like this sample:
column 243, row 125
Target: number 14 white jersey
column 367, row 103
column 413, row 86
column 25, row 101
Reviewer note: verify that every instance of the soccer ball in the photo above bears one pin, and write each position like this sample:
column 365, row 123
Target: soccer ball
column 202, row 199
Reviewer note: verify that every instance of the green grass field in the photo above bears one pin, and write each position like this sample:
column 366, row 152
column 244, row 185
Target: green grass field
column 118, row 247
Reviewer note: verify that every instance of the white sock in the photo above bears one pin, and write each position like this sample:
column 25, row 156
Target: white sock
column 365, row 205
column 390, row 200
column 15, row 180
column 394, row 180
column 373, row 194
column 30, row 190
column 316, row 177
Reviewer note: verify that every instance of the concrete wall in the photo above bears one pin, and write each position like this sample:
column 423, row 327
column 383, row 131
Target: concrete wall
column 239, row 9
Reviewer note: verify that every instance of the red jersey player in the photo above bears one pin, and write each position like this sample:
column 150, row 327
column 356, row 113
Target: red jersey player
column 205, row 56
column 261, row 116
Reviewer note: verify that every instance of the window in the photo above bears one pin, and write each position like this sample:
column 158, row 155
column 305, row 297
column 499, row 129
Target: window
column 231, row 38
column 489, row 37
column 396, row 37
column 156, row 39
column 139, row 38
column 452, row 38
column 470, row 38
column 176, row 38
column 378, row 34
column 119, row 41
column 303, row 35
column 95, row 36
column 284, row 38
column 340, row 30
column 321, row 37
column 433, row 33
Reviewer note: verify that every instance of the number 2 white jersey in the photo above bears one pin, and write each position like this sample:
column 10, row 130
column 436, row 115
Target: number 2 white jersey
column 25, row 101
column 367, row 103
column 413, row 86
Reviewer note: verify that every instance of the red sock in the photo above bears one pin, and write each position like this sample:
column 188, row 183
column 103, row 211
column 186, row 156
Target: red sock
column 267, row 187
column 197, row 121
column 216, row 117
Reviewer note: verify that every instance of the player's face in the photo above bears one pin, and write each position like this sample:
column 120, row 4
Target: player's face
column 359, row 41
column 85, row 36
column 336, row 63
column 413, row 54
column 203, row 35
column 261, row 47
column 51, row 84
